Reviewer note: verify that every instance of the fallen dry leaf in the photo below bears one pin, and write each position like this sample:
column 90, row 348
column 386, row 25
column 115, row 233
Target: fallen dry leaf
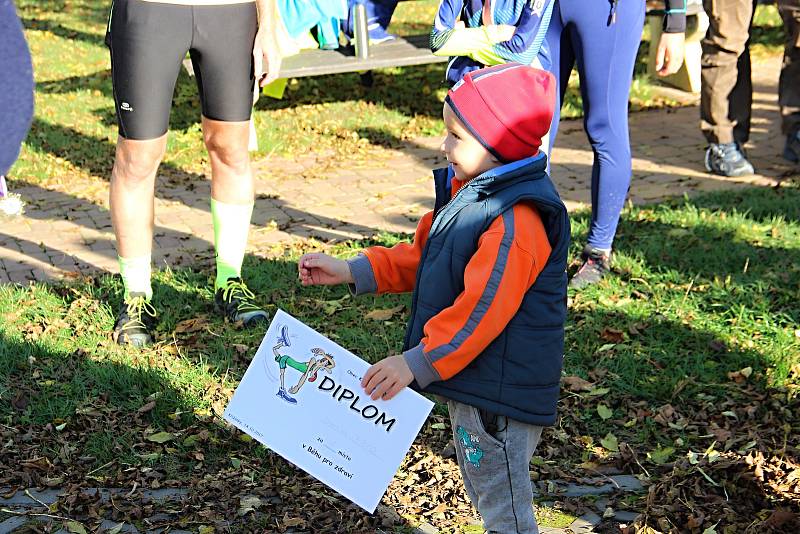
column 161, row 437
column 612, row 335
column 740, row 375
column 385, row 314
column 147, row 407
column 576, row 383
column 191, row 325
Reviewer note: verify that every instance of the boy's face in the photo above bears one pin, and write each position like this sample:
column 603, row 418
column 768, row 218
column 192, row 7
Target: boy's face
column 466, row 155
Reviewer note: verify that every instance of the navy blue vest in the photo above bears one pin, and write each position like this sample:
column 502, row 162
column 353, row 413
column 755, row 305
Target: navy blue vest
column 518, row 374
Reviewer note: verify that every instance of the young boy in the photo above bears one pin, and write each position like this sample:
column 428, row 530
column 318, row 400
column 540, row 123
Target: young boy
column 488, row 271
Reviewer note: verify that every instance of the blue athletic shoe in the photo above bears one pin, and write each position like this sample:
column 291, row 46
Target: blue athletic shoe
column 791, row 151
column 285, row 396
column 727, row 159
column 377, row 34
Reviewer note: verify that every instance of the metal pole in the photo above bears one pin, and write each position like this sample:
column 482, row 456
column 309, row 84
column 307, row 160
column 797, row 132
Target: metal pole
column 361, row 34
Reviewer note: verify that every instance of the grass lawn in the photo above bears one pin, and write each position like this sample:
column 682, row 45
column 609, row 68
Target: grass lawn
column 684, row 368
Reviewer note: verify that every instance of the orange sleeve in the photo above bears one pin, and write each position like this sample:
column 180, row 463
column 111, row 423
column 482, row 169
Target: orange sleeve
column 510, row 255
column 391, row 270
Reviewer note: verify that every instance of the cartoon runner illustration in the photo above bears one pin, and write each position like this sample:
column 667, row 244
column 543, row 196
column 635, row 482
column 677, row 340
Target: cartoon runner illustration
column 320, row 361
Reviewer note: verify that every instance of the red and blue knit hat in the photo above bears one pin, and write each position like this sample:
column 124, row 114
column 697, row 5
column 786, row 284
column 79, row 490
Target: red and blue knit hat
column 508, row 108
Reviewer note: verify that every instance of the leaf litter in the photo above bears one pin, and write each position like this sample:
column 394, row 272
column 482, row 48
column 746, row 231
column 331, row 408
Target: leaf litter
column 724, row 464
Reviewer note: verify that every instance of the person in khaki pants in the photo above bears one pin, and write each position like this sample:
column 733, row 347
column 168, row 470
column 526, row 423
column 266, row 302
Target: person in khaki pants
column 726, row 88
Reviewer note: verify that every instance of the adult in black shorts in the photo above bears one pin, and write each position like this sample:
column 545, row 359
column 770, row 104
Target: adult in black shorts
column 231, row 43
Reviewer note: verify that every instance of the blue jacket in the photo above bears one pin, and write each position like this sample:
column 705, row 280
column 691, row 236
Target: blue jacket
column 518, row 374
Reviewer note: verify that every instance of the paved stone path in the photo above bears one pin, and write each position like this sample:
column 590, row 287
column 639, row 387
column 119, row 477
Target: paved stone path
column 67, row 228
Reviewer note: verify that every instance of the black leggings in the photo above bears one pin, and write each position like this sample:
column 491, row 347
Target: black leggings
column 149, row 40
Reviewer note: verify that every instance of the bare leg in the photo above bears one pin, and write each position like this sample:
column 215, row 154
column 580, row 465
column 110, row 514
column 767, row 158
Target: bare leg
column 231, row 176
column 132, row 190
column 231, row 208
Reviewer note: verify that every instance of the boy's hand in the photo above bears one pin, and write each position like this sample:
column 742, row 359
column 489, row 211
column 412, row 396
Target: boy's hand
column 387, row 378
column 321, row 269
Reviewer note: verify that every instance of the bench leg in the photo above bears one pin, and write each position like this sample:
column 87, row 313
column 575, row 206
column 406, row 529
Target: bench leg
column 367, row 79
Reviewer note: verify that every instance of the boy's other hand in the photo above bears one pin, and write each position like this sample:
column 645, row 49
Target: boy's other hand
column 387, row 378
column 321, row 269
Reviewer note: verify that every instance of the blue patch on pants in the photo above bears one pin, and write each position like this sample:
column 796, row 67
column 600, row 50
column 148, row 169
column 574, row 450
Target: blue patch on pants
column 472, row 452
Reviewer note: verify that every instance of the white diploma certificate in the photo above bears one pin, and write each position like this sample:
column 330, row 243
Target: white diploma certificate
column 302, row 397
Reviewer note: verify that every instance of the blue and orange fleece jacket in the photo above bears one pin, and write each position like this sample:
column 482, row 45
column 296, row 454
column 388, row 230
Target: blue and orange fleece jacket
column 487, row 268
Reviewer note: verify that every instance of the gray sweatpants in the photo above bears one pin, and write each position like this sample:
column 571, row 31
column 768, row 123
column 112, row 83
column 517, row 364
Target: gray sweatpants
column 494, row 454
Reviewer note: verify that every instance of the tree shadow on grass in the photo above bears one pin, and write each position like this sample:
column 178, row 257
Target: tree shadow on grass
column 673, row 385
column 90, row 10
column 49, row 383
column 62, row 31
column 666, row 361
column 185, row 111
column 92, row 154
column 398, row 90
column 656, row 359
column 99, row 80
column 749, row 249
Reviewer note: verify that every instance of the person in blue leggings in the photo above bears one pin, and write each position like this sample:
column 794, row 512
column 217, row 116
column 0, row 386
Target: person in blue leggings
column 602, row 38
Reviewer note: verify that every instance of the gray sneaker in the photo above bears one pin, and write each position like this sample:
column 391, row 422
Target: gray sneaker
column 596, row 264
column 135, row 321
column 237, row 303
column 791, row 151
column 727, row 159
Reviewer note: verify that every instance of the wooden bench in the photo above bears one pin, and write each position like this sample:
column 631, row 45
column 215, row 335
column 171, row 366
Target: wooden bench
column 399, row 52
